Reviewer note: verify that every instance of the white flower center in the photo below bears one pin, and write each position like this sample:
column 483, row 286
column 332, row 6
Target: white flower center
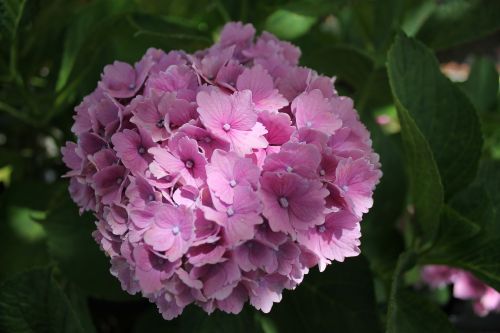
column 141, row 150
column 283, row 202
column 309, row 123
column 207, row 139
column 230, row 211
column 189, row 164
column 232, row 183
column 321, row 228
column 322, row 172
column 119, row 180
column 131, row 86
column 151, row 197
column 226, row 127
column 175, row 230
column 289, row 169
column 345, row 188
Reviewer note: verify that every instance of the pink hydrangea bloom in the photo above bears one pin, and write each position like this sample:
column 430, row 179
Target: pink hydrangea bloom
column 220, row 178
column 465, row 286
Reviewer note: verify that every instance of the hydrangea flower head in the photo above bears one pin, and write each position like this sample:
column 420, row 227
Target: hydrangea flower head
column 220, row 178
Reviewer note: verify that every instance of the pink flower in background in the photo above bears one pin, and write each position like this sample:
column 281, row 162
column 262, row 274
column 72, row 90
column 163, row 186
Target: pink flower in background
column 222, row 177
column 465, row 286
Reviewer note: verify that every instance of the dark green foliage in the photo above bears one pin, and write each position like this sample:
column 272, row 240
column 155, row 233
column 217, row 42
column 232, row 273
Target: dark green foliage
column 437, row 203
column 424, row 93
column 346, row 290
column 33, row 302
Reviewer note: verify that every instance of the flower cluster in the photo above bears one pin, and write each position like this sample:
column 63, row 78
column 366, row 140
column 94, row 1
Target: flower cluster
column 465, row 286
column 220, row 177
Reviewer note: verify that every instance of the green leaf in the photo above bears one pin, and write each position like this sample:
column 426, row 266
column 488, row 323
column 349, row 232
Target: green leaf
column 480, row 201
column 33, row 302
column 70, row 244
column 482, row 85
column 288, row 25
column 443, row 114
column 454, row 229
column 409, row 312
column 469, row 235
column 424, row 180
column 442, row 147
column 459, row 21
column 341, row 297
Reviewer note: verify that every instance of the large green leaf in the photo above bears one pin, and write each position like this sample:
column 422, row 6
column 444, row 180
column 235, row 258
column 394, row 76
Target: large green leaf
column 442, row 147
column 424, row 180
column 443, row 114
column 32, row 302
column 340, row 298
column 458, row 21
column 472, row 240
column 70, row 244
column 409, row 312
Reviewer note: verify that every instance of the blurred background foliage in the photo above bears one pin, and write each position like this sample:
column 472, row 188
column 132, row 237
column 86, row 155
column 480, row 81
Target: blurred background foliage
column 439, row 143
